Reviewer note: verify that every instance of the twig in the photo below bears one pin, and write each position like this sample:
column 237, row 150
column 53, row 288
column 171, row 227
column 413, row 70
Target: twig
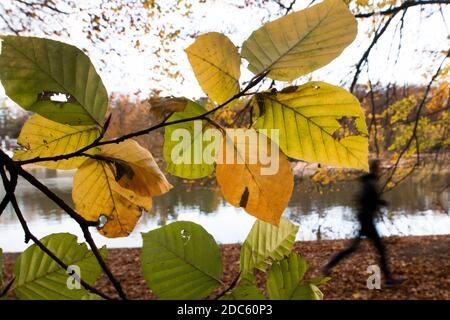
column 5, row 159
column 365, row 56
column 4, row 204
column 101, row 261
column 374, row 119
column 9, row 188
column 7, row 287
column 230, row 287
column 84, row 224
column 403, row 6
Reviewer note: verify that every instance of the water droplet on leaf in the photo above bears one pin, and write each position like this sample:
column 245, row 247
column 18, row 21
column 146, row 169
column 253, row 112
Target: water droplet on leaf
column 102, row 220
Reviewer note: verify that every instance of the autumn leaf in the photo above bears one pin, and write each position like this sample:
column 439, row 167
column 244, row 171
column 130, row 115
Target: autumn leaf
column 266, row 243
column 244, row 182
column 317, row 122
column 42, row 137
column 300, row 42
column 216, row 64
column 118, row 186
column 52, row 78
column 184, row 144
column 147, row 179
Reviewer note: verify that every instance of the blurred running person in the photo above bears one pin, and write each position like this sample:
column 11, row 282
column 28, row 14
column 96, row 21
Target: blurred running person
column 369, row 202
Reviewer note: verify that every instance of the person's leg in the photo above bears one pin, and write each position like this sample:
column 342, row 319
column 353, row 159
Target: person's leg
column 341, row 255
column 376, row 240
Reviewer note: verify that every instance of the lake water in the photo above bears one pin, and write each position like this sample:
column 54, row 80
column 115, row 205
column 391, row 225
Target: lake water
column 416, row 208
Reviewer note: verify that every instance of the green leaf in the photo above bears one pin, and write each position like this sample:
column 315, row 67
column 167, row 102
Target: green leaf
column 34, row 70
column 316, row 122
column 188, row 161
column 300, row 42
column 45, row 138
column 319, row 280
column 266, row 243
column 39, row 277
column 284, row 281
column 245, row 290
column 181, row 261
column 216, row 64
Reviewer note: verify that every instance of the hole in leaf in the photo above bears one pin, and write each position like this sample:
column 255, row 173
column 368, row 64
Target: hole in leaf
column 244, row 198
column 347, row 128
column 185, row 236
column 122, row 169
column 56, row 97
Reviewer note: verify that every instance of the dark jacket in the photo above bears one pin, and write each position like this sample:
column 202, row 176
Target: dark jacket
column 369, row 199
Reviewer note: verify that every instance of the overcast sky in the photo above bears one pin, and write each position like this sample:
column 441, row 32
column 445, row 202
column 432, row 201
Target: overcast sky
column 131, row 72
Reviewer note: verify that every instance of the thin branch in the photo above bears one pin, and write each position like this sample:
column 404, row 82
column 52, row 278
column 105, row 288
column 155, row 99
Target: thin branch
column 403, row 6
column 7, row 288
column 5, row 159
column 9, row 188
column 4, row 204
column 230, row 287
column 84, row 224
column 101, row 261
column 374, row 119
column 365, row 56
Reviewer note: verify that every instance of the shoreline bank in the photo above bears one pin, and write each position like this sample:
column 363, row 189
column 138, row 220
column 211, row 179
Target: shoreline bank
column 423, row 260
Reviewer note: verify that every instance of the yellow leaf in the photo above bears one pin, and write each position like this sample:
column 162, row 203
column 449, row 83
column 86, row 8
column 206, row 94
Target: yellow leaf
column 216, row 64
column 246, row 185
column 317, row 122
column 42, row 137
column 118, row 187
column 148, row 180
column 300, row 42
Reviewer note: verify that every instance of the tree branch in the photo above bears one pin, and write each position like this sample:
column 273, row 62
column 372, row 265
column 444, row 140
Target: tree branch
column 84, row 224
column 230, row 287
column 10, row 186
column 365, row 56
column 405, row 5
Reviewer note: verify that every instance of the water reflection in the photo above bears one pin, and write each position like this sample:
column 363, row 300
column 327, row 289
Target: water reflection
column 416, row 208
